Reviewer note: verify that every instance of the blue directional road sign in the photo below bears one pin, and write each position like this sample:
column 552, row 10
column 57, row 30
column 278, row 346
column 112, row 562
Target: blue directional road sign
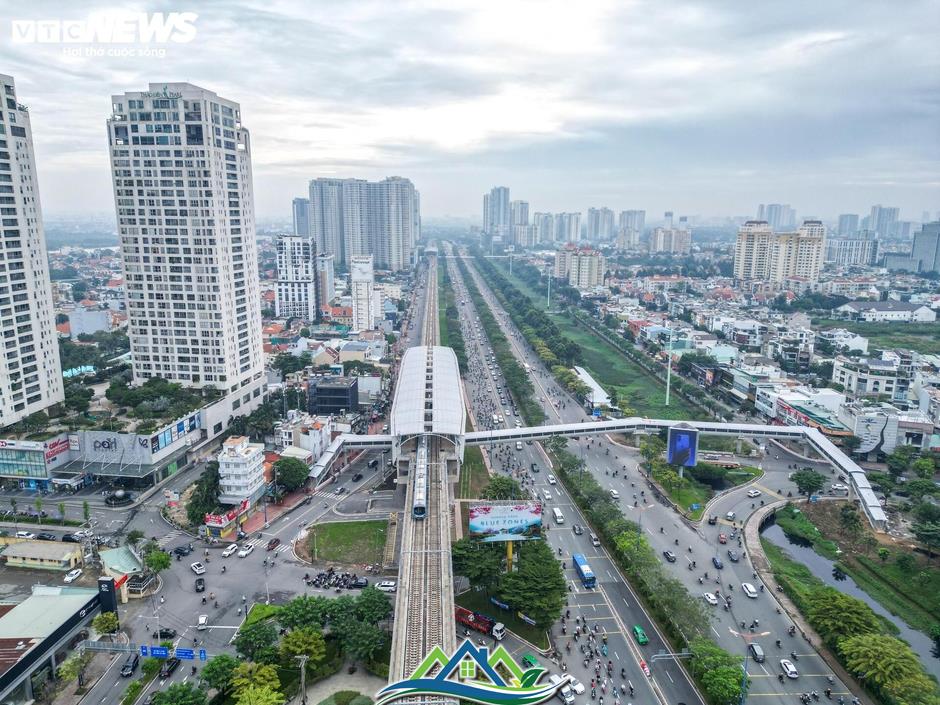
column 143, row 650
column 187, row 654
column 596, row 412
column 159, row 651
column 202, row 655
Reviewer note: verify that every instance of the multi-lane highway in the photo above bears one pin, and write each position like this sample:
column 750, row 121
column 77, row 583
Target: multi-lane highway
column 665, row 530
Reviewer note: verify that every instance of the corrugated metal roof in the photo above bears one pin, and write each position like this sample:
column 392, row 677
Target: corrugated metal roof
column 447, row 412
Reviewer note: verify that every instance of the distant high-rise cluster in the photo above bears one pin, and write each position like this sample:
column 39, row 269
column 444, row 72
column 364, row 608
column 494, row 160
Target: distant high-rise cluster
column 353, row 217
column 600, row 224
column 762, row 254
column 181, row 167
column 777, row 215
column 925, row 253
column 848, row 224
column 671, row 240
column 497, row 214
column 30, row 374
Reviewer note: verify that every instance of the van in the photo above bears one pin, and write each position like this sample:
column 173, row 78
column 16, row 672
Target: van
column 756, row 652
column 559, row 517
column 748, row 590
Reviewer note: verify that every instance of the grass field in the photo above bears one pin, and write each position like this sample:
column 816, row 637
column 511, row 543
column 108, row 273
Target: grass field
column 260, row 612
column 348, row 541
column 480, row 602
column 645, row 394
column 473, row 474
column 922, row 337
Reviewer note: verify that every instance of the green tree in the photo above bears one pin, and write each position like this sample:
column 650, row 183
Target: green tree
column 105, row 623
column 899, row 461
column 219, row 672
column 850, row 520
column 502, row 488
column 850, row 444
column 74, row 665
column 538, row 586
column 362, row 641
column 652, row 448
column 884, row 554
column 808, row 481
column 134, row 537
column 61, row 508
column 157, row 561
column 906, row 562
column 259, row 675
column 291, row 473
column 923, row 468
column 723, row 685
column 920, row 488
column 480, row 563
column 38, row 504
column 299, row 642
column 260, row 695
column 255, row 639
column 879, row 660
column 835, row 615
column 86, row 511
column 304, row 612
column 205, row 496
column 181, row 694
column 928, row 533
column 372, row 605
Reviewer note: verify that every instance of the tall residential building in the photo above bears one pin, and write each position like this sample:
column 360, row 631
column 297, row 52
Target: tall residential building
column 353, row 217
column 861, row 250
column 181, row 167
column 760, row 253
column 926, row 249
column 519, row 213
column 674, row 240
column 524, row 235
column 497, row 214
column 567, row 227
column 301, row 212
column 583, row 268
column 361, row 284
column 848, row 224
column 632, row 220
column 296, row 292
column 777, row 215
column 600, row 224
column 883, row 220
column 30, row 374
column 628, row 239
column 544, row 224
column 326, row 280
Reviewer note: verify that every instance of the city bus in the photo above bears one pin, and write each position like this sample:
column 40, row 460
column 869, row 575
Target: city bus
column 559, row 517
column 584, row 571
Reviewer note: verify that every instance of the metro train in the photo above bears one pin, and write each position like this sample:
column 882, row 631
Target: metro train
column 419, row 508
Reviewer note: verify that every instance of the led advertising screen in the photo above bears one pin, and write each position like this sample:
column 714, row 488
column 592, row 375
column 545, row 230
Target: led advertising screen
column 682, row 447
column 508, row 521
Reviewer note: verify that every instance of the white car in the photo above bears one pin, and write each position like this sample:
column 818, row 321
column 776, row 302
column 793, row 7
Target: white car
column 614, row 494
column 577, row 686
column 73, row 575
column 753, row 493
column 547, row 495
column 198, row 568
column 595, row 541
column 710, row 598
column 230, row 550
column 25, row 535
column 246, row 550
column 386, row 586
column 730, row 516
column 839, row 487
column 748, row 589
column 789, row 670
column 552, row 480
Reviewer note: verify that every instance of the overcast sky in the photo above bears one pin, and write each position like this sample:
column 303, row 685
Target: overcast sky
column 705, row 108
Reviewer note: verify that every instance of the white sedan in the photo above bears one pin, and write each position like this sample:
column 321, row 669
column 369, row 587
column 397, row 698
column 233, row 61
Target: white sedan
column 710, row 598
column 246, row 549
column 552, row 480
column 789, row 670
column 577, row 686
column 230, row 550
column 753, row 493
column 73, row 575
column 198, row 568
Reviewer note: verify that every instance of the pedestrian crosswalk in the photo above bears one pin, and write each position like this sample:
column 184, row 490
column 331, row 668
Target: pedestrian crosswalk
column 327, row 495
column 170, row 537
column 262, row 543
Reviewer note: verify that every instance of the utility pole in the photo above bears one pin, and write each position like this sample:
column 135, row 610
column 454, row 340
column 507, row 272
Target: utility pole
column 303, row 677
column 548, row 302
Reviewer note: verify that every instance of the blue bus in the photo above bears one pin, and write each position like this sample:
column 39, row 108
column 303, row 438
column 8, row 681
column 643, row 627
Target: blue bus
column 584, row 571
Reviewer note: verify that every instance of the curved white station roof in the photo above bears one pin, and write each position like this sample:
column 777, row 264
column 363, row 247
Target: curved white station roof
column 429, row 396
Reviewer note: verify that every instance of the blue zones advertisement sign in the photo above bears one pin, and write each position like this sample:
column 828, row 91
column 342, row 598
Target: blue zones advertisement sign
column 506, row 521
column 682, row 447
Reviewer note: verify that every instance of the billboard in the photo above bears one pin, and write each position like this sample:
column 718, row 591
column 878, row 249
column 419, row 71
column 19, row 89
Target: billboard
column 682, row 447
column 508, row 521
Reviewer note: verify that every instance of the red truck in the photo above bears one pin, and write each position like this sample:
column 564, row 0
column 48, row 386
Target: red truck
column 480, row 622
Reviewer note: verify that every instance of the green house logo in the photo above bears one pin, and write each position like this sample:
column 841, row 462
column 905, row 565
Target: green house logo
column 473, row 674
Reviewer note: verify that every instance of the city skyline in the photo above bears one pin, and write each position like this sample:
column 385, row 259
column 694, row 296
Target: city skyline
column 586, row 106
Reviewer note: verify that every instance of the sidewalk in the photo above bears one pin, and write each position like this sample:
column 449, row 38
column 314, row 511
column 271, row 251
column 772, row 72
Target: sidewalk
column 361, row 681
column 291, row 501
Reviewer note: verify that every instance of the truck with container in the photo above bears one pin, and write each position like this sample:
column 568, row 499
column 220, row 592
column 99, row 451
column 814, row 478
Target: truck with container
column 480, row 622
